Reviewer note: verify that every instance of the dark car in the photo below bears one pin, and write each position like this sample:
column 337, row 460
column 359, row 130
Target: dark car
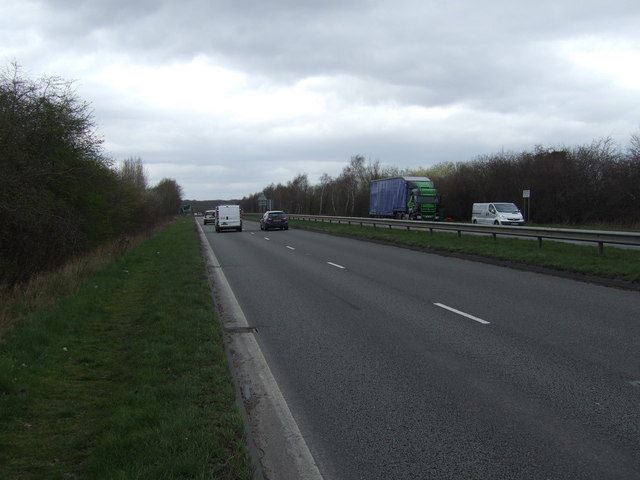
column 274, row 219
column 209, row 216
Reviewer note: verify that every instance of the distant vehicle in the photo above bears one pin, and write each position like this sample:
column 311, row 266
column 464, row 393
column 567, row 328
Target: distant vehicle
column 274, row 219
column 413, row 198
column 496, row 213
column 228, row 217
column 209, row 216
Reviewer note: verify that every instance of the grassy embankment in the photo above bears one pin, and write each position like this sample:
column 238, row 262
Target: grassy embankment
column 616, row 263
column 124, row 379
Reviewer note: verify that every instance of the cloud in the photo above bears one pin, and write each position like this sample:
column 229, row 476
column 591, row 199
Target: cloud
column 251, row 93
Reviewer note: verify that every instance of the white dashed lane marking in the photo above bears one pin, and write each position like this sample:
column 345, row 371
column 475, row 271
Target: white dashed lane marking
column 336, row 265
column 475, row 319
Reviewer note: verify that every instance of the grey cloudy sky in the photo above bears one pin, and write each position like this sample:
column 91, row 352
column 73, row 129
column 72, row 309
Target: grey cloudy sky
column 229, row 96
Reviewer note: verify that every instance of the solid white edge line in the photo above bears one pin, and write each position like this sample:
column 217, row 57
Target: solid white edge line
column 274, row 431
column 336, row 265
column 476, row 319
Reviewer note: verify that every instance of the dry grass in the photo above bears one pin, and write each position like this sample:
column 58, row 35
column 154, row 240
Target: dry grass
column 18, row 302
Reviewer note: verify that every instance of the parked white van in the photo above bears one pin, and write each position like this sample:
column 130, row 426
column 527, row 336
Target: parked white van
column 228, row 217
column 496, row 213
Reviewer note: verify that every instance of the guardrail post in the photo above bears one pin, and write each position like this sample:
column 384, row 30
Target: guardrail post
column 495, row 237
column 539, row 242
column 459, row 233
column 601, row 248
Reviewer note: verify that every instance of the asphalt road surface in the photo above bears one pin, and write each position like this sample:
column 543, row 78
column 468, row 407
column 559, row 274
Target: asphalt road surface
column 398, row 364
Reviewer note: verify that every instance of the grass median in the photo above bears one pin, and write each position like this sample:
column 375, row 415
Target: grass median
column 127, row 378
column 621, row 265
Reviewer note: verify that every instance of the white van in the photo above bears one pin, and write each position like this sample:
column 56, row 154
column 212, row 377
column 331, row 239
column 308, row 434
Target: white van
column 228, row 217
column 496, row 213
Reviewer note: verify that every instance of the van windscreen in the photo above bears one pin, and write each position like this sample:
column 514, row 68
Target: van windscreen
column 506, row 207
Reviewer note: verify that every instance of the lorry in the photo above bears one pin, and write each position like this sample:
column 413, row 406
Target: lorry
column 406, row 197
column 496, row 213
column 228, row 217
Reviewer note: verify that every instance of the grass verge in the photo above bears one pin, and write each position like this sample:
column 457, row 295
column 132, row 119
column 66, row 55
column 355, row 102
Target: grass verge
column 127, row 379
column 616, row 263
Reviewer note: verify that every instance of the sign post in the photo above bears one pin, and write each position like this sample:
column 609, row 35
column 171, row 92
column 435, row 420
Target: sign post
column 526, row 195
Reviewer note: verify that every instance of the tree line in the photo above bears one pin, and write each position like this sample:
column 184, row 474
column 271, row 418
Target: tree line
column 597, row 183
column 60, row 195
